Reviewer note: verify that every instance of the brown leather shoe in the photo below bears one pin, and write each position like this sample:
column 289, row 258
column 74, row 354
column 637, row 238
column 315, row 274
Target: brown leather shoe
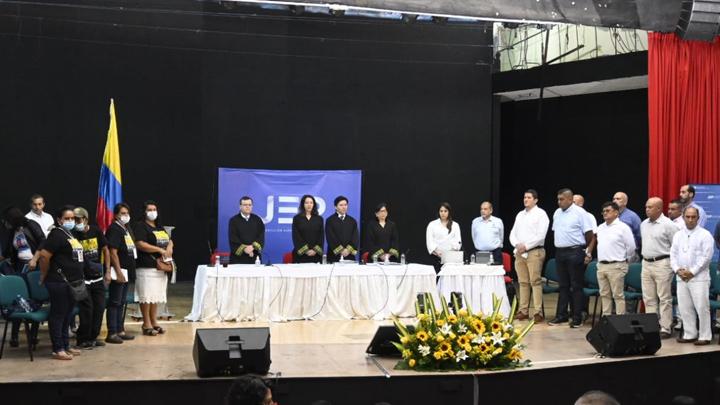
column 683, row 340
column 520, row 316
column 702, row 342
column 538, row 318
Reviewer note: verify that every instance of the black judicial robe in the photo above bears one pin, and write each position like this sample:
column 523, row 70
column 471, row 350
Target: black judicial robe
column 341, row 234
column 307, row 234
column 383, row 240
column 242, row 233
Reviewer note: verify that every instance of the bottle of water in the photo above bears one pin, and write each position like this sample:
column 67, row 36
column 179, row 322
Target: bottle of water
column 375, row 259
column 387, row 260
column 472, row 258
column 23, row 303
column 402, row 258
column 217, row 261
column 257, row 261
column 491, row 261
column 324, row 259
column 342, row 260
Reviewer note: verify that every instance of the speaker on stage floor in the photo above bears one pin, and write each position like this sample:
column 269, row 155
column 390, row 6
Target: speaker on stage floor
column 232, row 351
column 626, row 335
column 381, row 344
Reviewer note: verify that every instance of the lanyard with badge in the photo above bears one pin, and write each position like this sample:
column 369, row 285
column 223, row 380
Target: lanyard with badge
column 129, row 242
column 77, row 249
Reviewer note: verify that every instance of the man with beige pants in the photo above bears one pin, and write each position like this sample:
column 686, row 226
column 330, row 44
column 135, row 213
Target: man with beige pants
column 616, row 246
column 528, row 238
column 657, row 236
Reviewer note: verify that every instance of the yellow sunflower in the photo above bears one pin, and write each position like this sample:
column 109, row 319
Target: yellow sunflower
column 479, row 327
column 484, row 348
column 463, row 340
column 444, row 347
column 513, row 354
column 452, row 318
column 422, row 336
column 496, row 326
column 440, row 322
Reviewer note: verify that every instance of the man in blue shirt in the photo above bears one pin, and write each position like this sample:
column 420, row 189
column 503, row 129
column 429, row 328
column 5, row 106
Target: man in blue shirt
column 488, row 232
column 687, row 196
column 631, row 219
column 573, row 239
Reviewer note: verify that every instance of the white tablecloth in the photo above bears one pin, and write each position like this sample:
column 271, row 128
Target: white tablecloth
column 477, row 282
column 309, row 291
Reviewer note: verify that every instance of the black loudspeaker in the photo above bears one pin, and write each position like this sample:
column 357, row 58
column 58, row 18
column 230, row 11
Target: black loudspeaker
column 699, row 20
column 233, row 351
column 626, row 335
column 381, row 344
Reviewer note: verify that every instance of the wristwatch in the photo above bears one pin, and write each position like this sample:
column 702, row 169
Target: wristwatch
column 588, row 255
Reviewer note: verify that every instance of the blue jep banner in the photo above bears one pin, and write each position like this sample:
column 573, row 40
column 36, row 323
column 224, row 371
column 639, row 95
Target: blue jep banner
column 276, row 197
column 708, row 197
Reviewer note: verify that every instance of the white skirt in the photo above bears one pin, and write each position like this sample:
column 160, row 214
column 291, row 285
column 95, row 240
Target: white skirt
column 150, row 286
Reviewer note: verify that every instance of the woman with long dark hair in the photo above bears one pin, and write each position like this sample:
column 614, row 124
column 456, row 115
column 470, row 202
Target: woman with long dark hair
column 442, row 235
column 24, row 241
column 382, row 236
column 151, row 285
column 122, row 261
column 61, row 262
column 308, row 232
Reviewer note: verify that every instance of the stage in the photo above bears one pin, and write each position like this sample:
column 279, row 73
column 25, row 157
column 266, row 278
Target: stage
column 314, row 360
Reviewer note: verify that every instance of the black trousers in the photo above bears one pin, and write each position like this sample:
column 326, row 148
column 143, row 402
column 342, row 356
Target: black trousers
column 91, row 313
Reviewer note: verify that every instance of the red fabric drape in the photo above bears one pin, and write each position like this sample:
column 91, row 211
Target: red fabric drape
column 683, row 113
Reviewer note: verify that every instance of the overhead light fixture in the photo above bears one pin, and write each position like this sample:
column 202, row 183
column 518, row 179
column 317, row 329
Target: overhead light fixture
column 296, row 10
column 440, row 20
column 409, row 18
column 229, row 5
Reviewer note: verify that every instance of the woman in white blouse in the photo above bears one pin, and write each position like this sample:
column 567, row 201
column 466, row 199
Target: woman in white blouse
column 442, row 235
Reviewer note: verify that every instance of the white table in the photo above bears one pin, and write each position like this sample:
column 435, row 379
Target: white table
column 477, row 283
column 309, row 291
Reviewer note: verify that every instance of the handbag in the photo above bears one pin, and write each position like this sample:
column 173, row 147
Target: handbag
column 77, row 288
column 162, row 265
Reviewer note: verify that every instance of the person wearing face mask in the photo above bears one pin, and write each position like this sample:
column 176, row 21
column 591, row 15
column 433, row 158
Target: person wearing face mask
column 24, row 241
column 123, row 253
column 151, row 285
column 96, row 257
column 382, row 237
column 61, row 262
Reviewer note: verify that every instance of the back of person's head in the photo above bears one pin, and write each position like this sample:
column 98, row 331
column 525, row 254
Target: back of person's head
column 596, row 398
column 249, row 389
column 14, row 218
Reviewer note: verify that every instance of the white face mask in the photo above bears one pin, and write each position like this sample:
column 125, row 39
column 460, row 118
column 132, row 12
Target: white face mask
column 151, row 215
column 125, row 219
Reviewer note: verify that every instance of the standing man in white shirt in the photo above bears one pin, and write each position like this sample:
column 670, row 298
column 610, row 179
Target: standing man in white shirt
column 675, row 210
column 488, row 232
column 528, row 239
column 657, row 235
column 615, row 245
column 46, row 221
column 691, row 253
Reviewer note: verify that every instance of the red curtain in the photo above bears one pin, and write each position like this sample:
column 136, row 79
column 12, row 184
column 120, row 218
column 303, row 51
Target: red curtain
column 683, row 113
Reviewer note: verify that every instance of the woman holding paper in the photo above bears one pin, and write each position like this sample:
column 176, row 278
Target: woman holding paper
column 151, row 285
column 442, row 235
column 122, row 259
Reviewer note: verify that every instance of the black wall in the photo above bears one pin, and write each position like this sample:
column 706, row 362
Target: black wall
column 409, row 105
column 595, row 144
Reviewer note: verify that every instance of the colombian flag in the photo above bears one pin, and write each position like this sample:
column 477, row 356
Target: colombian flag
column 110, row 189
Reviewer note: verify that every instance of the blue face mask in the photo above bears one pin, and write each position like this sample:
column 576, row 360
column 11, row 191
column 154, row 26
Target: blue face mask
column 69, row 225
column 80, row 227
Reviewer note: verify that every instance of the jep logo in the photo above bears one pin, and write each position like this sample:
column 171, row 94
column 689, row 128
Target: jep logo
column 287, row 207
